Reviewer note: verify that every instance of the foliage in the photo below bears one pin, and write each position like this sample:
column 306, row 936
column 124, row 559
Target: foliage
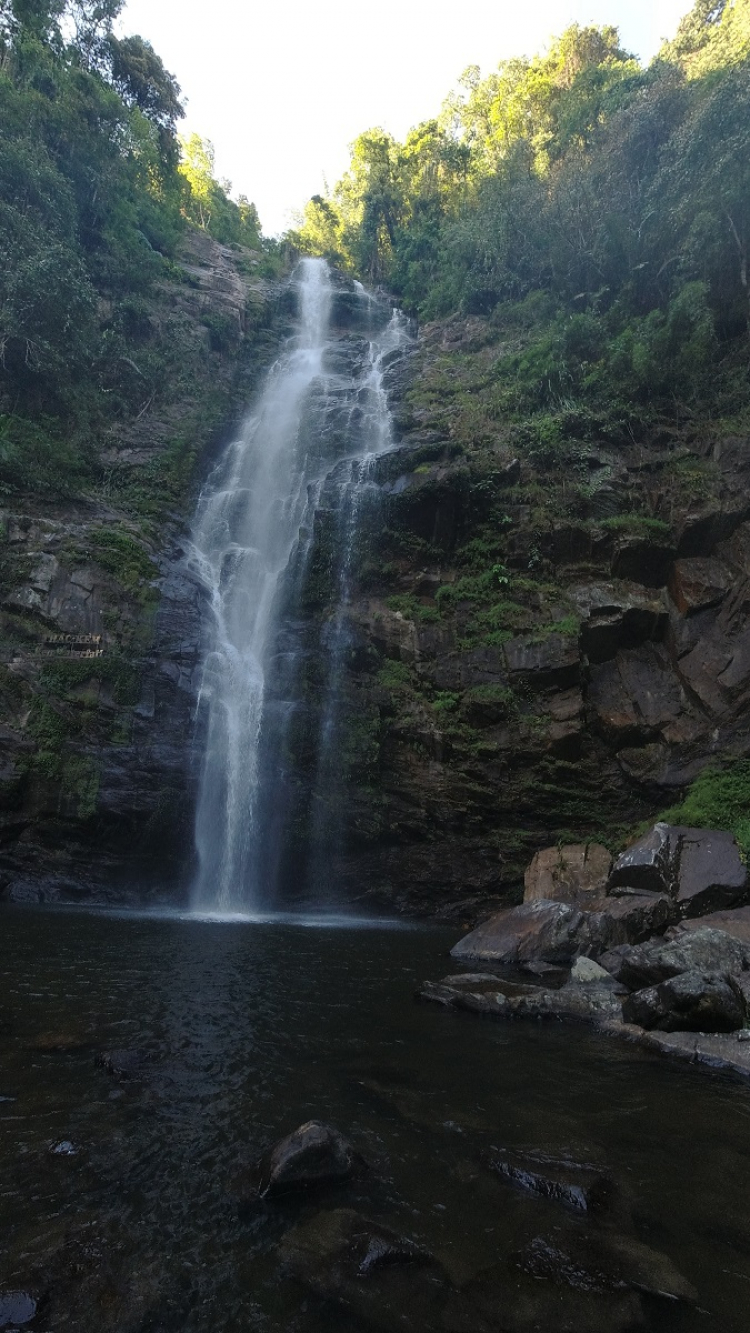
column 594, row 211
column 92, row 205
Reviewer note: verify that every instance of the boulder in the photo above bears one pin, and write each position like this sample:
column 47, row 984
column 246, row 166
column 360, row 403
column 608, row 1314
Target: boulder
column 691, row 1002
column 648, row 864
column 539, row 931
column 642, row 965
column 123, row 1064
column 586, row 972
column 575, row 874
column 735, row 922
column 711, row 872
column 701, row 869
column 313, row 1155
column 642, row 914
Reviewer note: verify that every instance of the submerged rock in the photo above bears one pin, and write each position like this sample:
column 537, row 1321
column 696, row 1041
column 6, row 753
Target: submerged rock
column 16, row 1307
column 600, row 1263
column 578, row 1187
column 123, row 1064
column 313, row 1155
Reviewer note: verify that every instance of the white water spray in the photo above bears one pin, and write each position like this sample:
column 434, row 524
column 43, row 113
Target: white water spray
column 255, row 511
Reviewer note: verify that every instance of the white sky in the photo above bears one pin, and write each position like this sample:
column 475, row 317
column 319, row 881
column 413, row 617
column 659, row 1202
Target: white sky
column 281, row 88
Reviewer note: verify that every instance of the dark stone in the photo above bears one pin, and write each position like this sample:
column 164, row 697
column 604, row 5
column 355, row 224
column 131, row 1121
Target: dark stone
column 643, row 560
column 642, row 965
column 711, row 872
column 578, row 1187
column 700, row 868
column 313, row 1155
column 697, row 583
column 690, row 1002
column 647, row 864
column 539, row 664
column 642, row 914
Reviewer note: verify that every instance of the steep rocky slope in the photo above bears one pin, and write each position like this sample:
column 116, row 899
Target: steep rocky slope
column 539, row 652
column 99, row 622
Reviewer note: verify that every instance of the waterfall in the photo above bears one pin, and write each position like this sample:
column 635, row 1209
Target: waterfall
column 320, row 420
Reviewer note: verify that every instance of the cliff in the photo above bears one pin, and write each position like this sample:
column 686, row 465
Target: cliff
column 538, row 651
column 542, row 650
column 99, row 618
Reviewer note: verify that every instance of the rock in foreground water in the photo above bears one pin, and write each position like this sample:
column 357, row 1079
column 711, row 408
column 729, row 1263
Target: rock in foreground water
column 315, row 1154
column 690, row 1002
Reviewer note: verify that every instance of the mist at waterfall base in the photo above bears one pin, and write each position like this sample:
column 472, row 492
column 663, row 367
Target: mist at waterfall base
column 300, row 466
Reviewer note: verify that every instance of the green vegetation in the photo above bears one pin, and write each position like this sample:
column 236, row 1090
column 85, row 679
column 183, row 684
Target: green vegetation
column 718, row 798
column 594, row 214
column 94, row 199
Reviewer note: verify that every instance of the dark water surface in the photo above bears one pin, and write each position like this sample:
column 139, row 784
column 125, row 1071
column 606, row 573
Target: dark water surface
column 252, row 1029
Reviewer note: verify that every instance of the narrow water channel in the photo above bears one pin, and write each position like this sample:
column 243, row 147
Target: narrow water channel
column 244, row 1031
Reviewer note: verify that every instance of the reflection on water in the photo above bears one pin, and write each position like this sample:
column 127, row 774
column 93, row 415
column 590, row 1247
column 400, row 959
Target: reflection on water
column 245, row 1033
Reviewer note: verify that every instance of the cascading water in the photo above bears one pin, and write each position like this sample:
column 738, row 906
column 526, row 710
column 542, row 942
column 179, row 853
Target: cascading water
column 321, row 418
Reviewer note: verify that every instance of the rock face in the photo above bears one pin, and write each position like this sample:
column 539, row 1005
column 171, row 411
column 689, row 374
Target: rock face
column 100, row 618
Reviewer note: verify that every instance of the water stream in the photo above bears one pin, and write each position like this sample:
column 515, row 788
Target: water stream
column 322, row 416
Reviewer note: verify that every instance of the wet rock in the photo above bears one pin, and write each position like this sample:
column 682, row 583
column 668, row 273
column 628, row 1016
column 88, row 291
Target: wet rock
column 539, row 931
column 313, row 1155
column 638, row 966
column 123, row 1064
column 539, row 664
column 498, row 998
column 648, row 864
column 385, row 1280
column 64, row 1149
column 585, row 971
column 642, row 559
column 571, row 874
column 698, row 582
column 641, row 914
column 701, row 869
column 578, row 1187
column 711, row 872
column 691, row 1002
column 600, row 1263
column 16, row 1308
column 618, row 615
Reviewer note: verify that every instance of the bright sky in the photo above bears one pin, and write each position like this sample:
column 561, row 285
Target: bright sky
column 281, row 87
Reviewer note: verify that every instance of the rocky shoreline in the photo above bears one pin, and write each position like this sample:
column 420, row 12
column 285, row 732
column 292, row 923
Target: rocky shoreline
column 654, row 949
